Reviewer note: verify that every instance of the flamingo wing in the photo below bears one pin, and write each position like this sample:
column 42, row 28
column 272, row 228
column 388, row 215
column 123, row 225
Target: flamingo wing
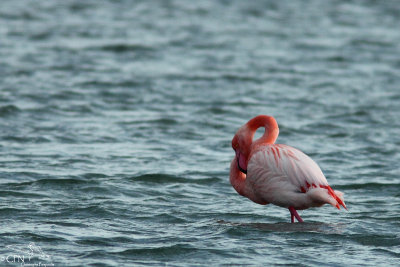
column 286, row 176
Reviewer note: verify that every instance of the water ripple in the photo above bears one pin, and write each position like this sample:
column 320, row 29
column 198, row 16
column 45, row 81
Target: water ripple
column 116, row 119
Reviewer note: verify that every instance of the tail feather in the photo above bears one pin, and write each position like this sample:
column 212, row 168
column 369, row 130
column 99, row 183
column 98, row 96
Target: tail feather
column 334, row 198
column 339, row 198
column 320, row 197
column 336, row 195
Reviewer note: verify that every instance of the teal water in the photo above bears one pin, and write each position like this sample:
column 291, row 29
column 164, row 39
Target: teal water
column 116, row 119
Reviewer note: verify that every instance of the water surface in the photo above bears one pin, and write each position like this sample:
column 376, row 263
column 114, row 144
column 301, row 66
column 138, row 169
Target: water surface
column 116, row 119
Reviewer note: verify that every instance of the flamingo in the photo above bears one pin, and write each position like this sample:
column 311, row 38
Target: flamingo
column 279, row 174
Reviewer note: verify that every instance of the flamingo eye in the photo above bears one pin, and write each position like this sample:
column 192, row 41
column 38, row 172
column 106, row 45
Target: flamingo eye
column 235, row 143
column 235, row 146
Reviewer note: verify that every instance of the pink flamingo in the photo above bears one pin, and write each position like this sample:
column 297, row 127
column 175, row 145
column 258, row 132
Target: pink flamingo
column 278, row 174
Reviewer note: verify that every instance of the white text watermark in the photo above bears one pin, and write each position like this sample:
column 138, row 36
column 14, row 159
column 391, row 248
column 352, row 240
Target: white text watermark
column 31, row 255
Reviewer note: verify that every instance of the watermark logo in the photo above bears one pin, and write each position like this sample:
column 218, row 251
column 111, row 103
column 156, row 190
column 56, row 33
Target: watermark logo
column 31, row 255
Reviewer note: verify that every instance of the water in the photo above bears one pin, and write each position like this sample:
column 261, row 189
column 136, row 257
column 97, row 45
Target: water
column 116, row 119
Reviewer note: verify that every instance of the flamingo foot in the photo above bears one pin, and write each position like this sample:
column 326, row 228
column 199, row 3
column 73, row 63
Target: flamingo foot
column 293, row 213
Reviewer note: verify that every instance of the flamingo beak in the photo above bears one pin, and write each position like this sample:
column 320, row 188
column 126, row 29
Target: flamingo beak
column 240, row 161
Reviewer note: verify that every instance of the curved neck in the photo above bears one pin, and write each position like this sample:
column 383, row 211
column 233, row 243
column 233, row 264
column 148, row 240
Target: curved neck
column 271, row 129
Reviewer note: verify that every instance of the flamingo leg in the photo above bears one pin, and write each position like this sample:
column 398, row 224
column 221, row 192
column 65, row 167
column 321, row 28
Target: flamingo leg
column 293, row 213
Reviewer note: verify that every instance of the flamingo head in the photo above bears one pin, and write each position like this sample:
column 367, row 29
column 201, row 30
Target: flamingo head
column 242, row 142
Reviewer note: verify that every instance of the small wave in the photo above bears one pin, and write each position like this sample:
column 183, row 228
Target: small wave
column 77, row 109
column 122, row 48
column 40, row 36
column 159, row 122
column 8, row 110
column 340, row 59
column 27, row 177
column 93, row 210
column 110, row 84
column 376, row 186
column 159, row 251
column 242, row 78
column 96, row 190
column 68, row 94
column 26, row 235
column 375, row 43
column 62, row 222
column 323, row 85
column 101, row 241
column 162, row 217
column 26, row 139
column 25, row 15
column 160, row 178
column 90, row 175
column 376, row 240
column 309, row 45
column 5, row 212
column 388, row 252
column 55, row 182
column 339, row 135
column 363, row 113
column 287, row 227
column 18, row 194
column 67, row 110
column 324, row 125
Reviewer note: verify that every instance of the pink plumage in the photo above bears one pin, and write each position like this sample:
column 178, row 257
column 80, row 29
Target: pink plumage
column 278, row 174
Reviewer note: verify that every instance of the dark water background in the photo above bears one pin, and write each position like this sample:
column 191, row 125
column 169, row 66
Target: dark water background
column 116, row 119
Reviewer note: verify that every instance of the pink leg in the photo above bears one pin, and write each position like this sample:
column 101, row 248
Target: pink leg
column 293, row 213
